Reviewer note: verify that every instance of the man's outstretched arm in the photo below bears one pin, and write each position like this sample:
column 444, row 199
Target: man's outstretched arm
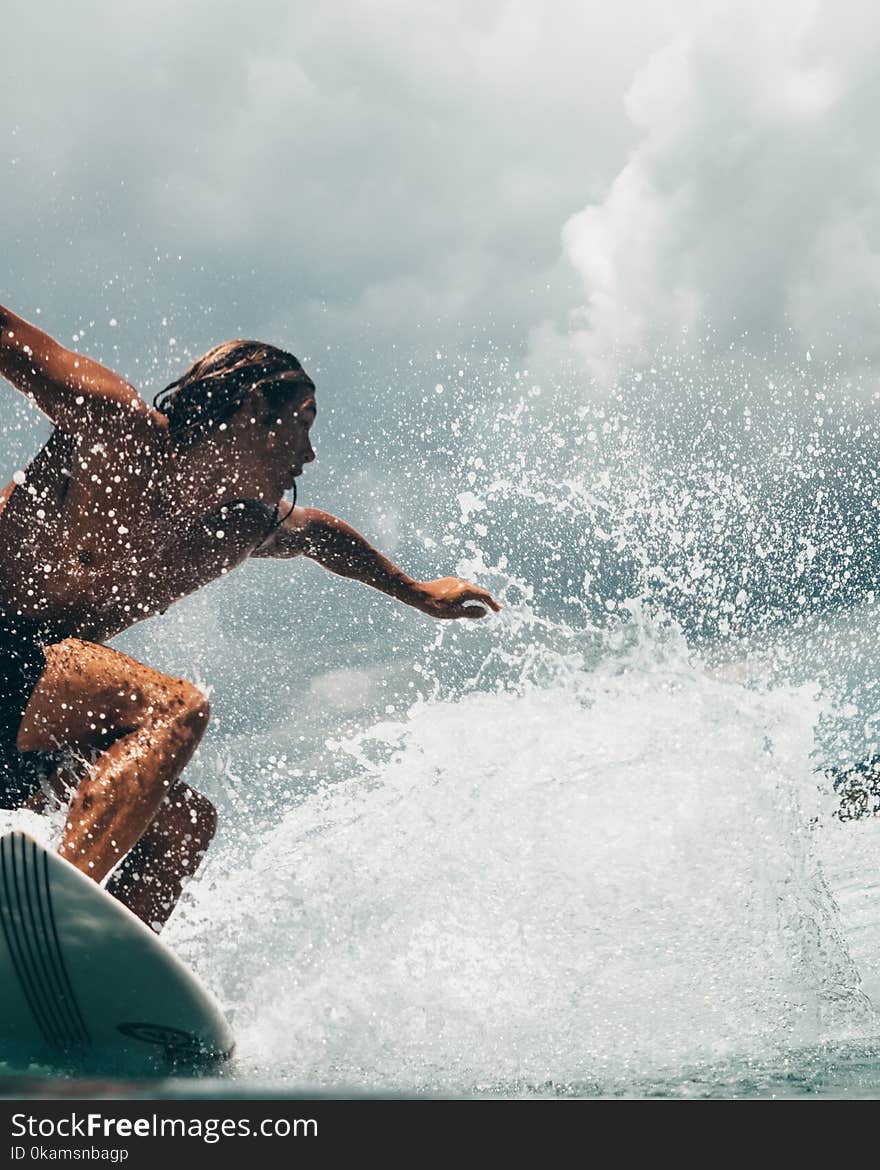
column 336, row 546
column 73, row 390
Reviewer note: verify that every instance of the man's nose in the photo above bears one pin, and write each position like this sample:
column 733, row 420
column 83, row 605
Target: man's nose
column 310, row 455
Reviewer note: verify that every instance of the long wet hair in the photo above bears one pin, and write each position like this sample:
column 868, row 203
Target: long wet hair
column 216, row 385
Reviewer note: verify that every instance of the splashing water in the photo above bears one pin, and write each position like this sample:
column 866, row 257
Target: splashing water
column 587, row 858
column 574, row 884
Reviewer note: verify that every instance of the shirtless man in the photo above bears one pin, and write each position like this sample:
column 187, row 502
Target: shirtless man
column 125, row 510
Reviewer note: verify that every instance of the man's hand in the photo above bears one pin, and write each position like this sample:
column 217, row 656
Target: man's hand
column 450, row 597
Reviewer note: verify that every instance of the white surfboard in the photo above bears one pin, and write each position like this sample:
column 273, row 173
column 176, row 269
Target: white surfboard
column 85, row 985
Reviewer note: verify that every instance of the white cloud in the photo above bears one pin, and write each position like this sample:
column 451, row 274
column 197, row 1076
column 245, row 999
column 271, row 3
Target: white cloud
column 751, row 203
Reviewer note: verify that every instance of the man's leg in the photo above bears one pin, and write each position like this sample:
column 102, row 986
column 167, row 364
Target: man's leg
column 145, row 726
column 151, row 878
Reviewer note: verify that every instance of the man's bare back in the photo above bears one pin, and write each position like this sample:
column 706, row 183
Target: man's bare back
column 125, row 510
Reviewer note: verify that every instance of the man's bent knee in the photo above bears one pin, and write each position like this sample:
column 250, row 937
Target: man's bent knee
column 191, row 706
column 204, row 818
column 199, row 811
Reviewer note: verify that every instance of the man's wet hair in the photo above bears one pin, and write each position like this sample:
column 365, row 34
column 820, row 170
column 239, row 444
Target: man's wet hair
column 216, row 385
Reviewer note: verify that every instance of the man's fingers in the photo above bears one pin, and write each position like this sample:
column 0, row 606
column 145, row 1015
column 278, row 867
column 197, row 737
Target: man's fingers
column 484, row 598
column 474, row 608
column 463, row 600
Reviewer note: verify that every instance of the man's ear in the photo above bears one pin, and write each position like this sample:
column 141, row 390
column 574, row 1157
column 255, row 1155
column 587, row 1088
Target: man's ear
column 256, row 406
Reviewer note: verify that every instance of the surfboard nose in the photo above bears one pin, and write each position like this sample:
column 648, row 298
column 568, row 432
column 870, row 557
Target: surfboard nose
column 87, row 984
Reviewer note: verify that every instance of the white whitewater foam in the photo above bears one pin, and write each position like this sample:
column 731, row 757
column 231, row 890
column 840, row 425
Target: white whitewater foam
column 584, row 882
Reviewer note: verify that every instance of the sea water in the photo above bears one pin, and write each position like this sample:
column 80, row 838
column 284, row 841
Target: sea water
column 591, row 846
column 588, row 885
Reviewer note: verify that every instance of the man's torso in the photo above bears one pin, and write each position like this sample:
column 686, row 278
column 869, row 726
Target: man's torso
column 99, row 534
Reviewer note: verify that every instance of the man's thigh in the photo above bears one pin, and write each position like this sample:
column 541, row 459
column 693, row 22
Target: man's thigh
column 89, row 695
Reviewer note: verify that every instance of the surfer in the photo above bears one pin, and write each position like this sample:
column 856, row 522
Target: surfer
column 125, row 510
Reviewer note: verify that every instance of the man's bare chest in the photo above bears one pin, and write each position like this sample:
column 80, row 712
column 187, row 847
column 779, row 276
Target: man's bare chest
column 107, row 533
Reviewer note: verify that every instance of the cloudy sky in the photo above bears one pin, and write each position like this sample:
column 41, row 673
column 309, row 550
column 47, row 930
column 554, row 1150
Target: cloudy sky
column 395, row 189
column 354, row 175
column 750, row 200
column 371, row 173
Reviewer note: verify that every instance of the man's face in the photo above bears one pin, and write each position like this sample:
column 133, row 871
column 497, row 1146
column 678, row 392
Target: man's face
column 271, row 437
column 288, row 445
column 284, row 439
